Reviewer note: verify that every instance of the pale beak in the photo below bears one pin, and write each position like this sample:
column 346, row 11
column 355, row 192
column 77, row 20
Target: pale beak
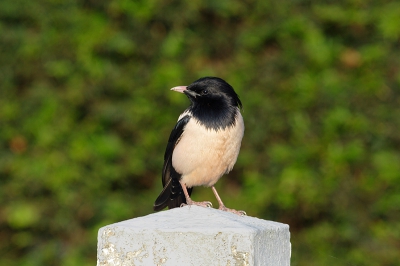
column 180, row 89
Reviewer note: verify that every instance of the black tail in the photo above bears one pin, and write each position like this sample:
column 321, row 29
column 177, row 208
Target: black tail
column 171, row 196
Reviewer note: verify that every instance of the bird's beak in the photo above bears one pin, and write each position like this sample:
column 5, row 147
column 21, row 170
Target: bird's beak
column 183, row 89
column 180, row 89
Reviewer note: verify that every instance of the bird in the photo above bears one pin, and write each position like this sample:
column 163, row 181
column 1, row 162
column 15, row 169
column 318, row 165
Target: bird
column 203, row 145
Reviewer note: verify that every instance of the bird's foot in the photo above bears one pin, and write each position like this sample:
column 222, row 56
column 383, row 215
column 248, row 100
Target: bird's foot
column 205, row 204
column 225, row 209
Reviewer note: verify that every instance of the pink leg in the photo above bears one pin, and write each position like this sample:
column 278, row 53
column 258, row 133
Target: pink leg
column 189, row 201
column 222, row 205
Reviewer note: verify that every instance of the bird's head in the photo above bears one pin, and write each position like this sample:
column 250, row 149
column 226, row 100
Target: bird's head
column 210, row 91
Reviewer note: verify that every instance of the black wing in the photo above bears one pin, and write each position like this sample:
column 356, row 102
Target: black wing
column 172, row 194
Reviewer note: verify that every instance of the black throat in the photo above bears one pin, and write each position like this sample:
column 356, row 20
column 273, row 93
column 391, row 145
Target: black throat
column 214, row 116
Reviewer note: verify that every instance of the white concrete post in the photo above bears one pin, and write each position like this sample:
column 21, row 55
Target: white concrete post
column 194, row 235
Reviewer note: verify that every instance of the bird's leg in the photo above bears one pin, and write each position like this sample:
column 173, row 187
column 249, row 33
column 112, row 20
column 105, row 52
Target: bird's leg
column 222, row 205
column 189, row 201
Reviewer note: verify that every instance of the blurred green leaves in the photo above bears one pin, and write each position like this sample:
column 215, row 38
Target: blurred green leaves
column 86, row 111
column 22, row 215
column 387, row 166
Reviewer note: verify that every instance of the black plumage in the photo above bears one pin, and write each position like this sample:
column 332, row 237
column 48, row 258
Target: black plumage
column 172, row 194
column 204, row 143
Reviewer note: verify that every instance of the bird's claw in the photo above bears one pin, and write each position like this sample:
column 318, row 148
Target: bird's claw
column 240, row 213
column 206, row 204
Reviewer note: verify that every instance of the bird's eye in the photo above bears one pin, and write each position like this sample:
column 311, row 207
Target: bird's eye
column 204, row 92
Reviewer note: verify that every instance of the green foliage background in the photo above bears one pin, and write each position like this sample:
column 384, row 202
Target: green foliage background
column 86, row 111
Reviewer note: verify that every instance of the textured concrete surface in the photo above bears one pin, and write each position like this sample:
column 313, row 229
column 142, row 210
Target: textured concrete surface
column 194, row 235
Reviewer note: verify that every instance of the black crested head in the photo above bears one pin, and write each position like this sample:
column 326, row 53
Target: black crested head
column 212, row 89
column 214, row 102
